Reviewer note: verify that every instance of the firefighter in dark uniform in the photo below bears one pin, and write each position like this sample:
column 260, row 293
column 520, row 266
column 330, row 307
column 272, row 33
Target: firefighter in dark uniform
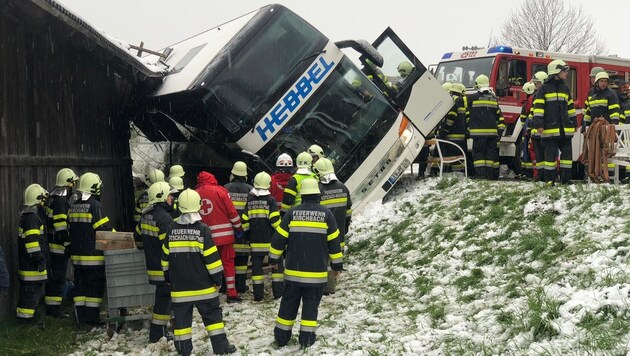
column 453, row 128
column 603, row 102
column 150, row 234
column 260, row 219
column 336, row 197
column 192, row 266
column 310, row 236
column 291, row 195
column 31, row 253
column 154, row 176
column 485, row 126
column 57, row 207
column 239, row 189
column 538, row 165
column 555, row 120
column 85, row 217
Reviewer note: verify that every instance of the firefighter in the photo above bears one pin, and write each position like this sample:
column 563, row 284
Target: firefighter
column 177, row 183
column 85, row 217
column 57, row 206
column 454, row 126
column 527, row 162
column 404, row 69
column 218, row 212
column 538, row 79
column 260, row 219
column 32, row 262
column 176, row 171
column 192, row 266
column 485, row 127
column 280, row 178
column 150, row 234
column 336, row 197
column 291, row 196
column 239, row 190
column 316, row 152
column 310, row 236
column 624, row 102
column 154, row 176
column 555, row 120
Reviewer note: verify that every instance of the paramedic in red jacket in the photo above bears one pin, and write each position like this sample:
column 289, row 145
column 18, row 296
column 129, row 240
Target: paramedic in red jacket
column 218, row 212
column 280, row 178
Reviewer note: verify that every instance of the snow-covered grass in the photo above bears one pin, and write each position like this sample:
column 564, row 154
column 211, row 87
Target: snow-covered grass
column 456, row 266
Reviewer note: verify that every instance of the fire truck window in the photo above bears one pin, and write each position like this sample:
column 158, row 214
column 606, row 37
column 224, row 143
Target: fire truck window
column 502, row 78
column 572, row 82
column 538, row 68
column 517, row 72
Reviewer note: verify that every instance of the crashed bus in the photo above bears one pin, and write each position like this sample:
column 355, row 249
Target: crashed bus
column 269, row 82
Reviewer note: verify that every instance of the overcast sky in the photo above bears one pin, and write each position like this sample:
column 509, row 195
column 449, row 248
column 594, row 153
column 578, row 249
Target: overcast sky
column 430, row 28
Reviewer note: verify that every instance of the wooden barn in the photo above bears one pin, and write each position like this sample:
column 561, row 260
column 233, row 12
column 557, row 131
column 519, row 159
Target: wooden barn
column 67, row 95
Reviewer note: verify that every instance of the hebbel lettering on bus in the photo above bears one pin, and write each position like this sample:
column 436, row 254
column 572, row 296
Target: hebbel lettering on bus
column 300, row 91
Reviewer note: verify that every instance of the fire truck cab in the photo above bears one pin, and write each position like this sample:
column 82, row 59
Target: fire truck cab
column 509, row 68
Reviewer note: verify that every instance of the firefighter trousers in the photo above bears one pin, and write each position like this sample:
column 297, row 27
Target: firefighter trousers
column 551, row 146
column 258, row 278
column 538, row 159
column 227, row 259
column 485, row 154
column 30, row 295
column 89, row 287
column 240, row 265
column 56, row 282
column 310, row 298
column 161, row 312
column 212, row 316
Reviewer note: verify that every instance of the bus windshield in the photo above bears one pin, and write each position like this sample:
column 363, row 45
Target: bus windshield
column 464, row 71
column 348, row 116
column 258, row 75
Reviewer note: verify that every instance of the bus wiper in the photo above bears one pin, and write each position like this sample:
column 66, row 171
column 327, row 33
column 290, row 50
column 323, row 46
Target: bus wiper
column 305, row 58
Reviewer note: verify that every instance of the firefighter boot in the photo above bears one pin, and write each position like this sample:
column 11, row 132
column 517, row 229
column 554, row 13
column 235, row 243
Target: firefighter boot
column 221, row 346
column 306, row 339
column 259, row 291
column 282, row 337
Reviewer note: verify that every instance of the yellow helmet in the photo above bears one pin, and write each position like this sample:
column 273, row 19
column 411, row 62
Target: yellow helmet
column 556, row 66
column 540, row 76
column 176, row 183
column 262, row 180
column 601, row 75
column 34, row 194
column 304, row 160
column 239, row 169
column 316, row 150
column 309, row 186
column 156, row 175
column 596, row 70
column 189, row 201
column 158, row 192
column 66, row 178
column 482, row 81
column 323, row 166
column 447, row 86
column 90, row 183
column 404, row 69
column 529, row 88
column 176, row 171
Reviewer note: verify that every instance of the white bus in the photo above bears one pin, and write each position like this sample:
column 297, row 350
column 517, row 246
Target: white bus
column 269, row 82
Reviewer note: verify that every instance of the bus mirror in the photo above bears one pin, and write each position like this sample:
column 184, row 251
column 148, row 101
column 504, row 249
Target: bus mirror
column 365, row 48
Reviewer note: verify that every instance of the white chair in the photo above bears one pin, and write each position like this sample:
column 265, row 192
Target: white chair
column 441, row 159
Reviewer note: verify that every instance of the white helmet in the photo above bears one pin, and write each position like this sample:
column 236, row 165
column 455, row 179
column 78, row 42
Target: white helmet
column 284, row 160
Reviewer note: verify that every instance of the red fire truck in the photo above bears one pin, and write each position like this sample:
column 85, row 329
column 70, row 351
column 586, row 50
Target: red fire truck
column 509, row 68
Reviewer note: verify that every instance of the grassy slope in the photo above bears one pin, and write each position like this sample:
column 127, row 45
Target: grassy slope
column 501, row 267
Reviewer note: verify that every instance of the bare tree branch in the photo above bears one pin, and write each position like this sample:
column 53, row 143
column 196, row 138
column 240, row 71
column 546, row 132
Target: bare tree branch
column 552, row 25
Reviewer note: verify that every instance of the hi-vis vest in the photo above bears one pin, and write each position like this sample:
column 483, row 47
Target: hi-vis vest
column 292, row 195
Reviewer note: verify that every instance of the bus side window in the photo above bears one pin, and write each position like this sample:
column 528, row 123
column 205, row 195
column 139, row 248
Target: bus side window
column 502, row 78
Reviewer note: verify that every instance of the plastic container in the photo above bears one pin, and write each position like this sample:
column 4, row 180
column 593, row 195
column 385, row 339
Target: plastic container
column 127, row 280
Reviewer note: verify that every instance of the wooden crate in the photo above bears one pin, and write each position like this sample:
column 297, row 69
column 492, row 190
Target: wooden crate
column 108, row 240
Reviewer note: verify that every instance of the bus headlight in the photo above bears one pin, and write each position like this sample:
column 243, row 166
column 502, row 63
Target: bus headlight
column 405, row 132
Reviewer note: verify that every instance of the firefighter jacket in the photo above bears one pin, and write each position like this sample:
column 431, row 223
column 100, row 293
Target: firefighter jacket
column 485, row 119
column 31, row 242
column 154, row 223
column 217, row 210
column 239, row 191
column 57, row 206
column 553, row 109
column 279, row 181
column 454, row 127
column 310, row 236
column 190, row 261
column 260, row 220
column 601, row 103
column 625, row 110
column 527, row 115
column 85, row 217
column 336, row 197
column 291, row 196
column 175, row 213
column 141, row 203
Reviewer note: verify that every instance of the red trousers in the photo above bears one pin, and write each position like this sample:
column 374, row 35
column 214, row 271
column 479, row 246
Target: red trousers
column 227, row 259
